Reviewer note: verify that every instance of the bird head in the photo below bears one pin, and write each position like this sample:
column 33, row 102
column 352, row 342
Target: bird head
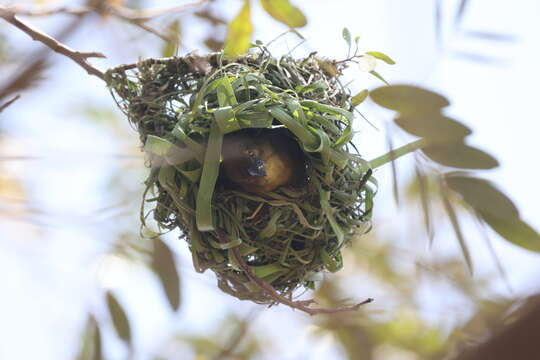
column 255, row 166
column 243, row 158
column 260, row 160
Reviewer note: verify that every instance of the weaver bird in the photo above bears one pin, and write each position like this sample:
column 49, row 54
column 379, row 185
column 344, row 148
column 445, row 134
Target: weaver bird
column 260, row 160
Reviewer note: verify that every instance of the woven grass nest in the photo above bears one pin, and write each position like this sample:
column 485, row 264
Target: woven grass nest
column 183, row 106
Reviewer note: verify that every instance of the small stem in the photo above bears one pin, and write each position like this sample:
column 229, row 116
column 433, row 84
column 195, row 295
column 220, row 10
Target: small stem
column 302, row 305
column 6, row 104
column 397, row 153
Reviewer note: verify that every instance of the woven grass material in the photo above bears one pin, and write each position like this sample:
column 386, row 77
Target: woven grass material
column 183, row 106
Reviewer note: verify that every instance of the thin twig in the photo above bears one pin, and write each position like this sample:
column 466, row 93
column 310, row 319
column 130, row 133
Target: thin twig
column 397, row 153
column 77, row 11
column 28, row 73
column 147, row 14
column 140, row 17
column 135, row 17
column 77, row 56
column 5, row 105
column 169, row 37
column 302, row 305
column 104, row 8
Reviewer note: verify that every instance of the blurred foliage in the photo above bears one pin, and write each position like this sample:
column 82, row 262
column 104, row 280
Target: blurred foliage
column 403, row 331
column 239, row 34
column 164, row 265
column 119, row 318
column 91, row 341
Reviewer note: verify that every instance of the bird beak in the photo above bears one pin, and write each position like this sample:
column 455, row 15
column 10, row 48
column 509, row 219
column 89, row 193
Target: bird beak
column 257, row 168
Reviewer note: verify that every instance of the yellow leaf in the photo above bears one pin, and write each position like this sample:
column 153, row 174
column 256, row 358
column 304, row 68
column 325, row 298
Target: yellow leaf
column 239, row 34
column 284, row 12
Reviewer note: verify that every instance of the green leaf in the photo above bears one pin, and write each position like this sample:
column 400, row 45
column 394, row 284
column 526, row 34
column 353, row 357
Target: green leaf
column 263, row 271
column 359, row 98
column 332, row 264
column 381, row 56
column 378, row 76
column 224, row 117
column 165, row 267
column 305, row 136
column 347, row 37
column 408, row 99
column 271, row 227
column 328, row 211
column 209, row 176
column 284, row 12
column 495, row 209
column 225, row 92
column 91, row 341
column 328, row 109
column 157, row 146
column 196, row 148
column 459, row 155
column 119, row 318
column 239, row 33
column 316, row 85
column 433, row 126
column 396, row 153
column 515, row 231
column 162, row 149
column 97, row 350
column 482, row 196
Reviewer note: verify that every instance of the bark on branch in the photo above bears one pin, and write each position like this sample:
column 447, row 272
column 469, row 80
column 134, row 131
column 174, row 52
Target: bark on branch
column 77, row 56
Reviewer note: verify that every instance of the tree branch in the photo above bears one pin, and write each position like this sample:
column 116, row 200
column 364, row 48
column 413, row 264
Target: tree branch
column 77, row 56
column 302, row 305
column 77, row 11
column 132, row 16
column 147, row 14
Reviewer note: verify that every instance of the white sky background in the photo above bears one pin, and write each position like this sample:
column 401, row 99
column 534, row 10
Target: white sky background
column 50, row 272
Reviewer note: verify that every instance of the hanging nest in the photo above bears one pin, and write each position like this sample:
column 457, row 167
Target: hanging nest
column 182, row 107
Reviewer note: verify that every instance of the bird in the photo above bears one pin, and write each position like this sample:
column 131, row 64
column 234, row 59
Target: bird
column 261, row 160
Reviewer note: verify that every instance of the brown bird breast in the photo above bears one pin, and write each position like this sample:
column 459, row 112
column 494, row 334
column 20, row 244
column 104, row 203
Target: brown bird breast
column 260, row 160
